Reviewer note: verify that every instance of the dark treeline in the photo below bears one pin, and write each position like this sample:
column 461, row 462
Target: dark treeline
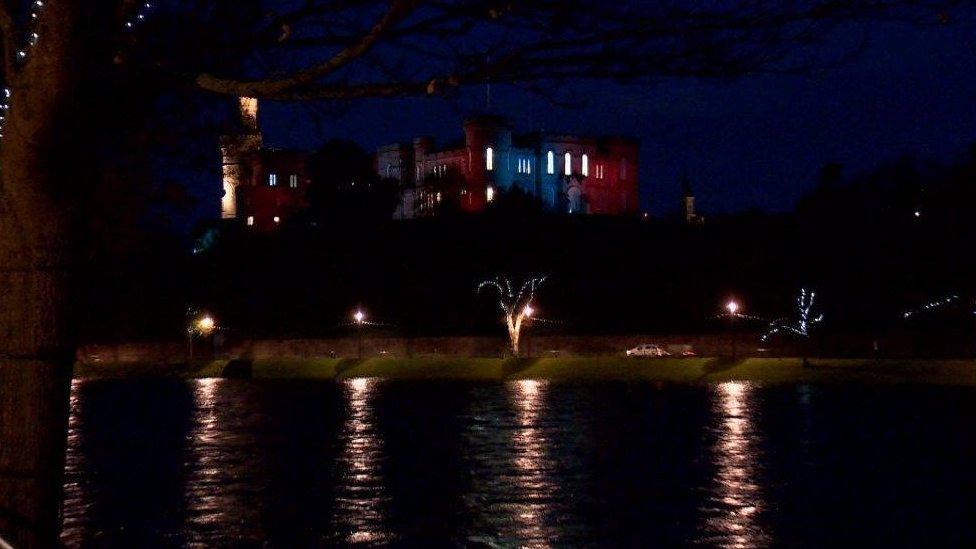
column 872, row 246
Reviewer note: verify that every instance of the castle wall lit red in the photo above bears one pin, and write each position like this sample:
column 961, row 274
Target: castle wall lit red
column 569, row 174
column 263, row 187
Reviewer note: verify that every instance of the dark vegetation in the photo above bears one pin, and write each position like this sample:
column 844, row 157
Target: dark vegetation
column 858, row 242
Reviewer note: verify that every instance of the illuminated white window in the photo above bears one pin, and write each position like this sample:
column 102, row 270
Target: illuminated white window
column 569, row 164
column 293, row 181
column 586, row 165
column 272, row 179
column 277, row 219
column 489, row 159
column 250, row 220
column 490, row 193
column 550, row 163
column 528, row 165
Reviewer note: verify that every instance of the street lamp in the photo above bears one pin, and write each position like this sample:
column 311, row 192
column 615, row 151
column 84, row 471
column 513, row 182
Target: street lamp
column 359, row 316
column 204, row 326
column 732, row 307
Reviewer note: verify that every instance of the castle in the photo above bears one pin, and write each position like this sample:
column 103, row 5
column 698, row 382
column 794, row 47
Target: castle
column 569, row 174
column 262, row 187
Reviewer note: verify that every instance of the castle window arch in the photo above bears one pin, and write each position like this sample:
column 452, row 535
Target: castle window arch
column 586, row 165
column 489, row 159
column 568, row 161
column 550, row 162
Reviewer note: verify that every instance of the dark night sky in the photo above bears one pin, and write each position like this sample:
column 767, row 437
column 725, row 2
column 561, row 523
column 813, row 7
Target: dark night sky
column 756, row 142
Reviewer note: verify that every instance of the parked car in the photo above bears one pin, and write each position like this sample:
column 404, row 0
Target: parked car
column 647, row 350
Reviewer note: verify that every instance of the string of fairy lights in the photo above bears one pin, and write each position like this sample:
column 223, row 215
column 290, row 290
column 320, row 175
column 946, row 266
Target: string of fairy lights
column 516, row 306
column 804, row 320
column 936, row 305
column 931, row 306
column 36, row 8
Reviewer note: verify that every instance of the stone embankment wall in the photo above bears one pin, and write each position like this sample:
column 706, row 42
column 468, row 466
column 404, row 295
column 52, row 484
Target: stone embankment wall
column 892, row 345
column 703, row 345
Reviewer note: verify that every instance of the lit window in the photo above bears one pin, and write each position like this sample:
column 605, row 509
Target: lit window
column 272, row 179
column 550, row 163
column 521, row 166
column 250, row 220
column 293, row 181
column 489, row 159
column 490, row 193
column 569, row 164
column 277, row 219
column 528, row 165
column 586, row 165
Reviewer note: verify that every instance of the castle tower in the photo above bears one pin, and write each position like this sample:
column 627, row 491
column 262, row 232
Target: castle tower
column 488, row 140
column 234, row 148
column 688, row 203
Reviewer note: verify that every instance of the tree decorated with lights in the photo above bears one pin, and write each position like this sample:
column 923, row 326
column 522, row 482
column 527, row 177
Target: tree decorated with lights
column 516, row 306
column 801, row 324
column 64, row 62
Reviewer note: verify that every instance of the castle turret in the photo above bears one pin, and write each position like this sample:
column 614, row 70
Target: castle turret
column 688, row 203
column 234, row 148
column 488, row 140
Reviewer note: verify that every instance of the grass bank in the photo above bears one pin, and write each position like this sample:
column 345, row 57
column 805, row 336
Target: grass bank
column 695, row 370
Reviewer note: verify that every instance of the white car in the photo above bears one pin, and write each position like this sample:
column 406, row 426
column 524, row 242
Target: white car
column 646, row 350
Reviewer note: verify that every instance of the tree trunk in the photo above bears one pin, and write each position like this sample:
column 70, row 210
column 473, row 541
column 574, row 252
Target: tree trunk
column 42, row 191
column 36, row 349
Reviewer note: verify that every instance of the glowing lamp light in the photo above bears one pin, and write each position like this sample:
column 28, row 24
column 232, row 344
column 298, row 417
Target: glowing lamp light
column 359, row 316
column 732, row 307
column 528, row 311
column 490, row 194
column 206, row 324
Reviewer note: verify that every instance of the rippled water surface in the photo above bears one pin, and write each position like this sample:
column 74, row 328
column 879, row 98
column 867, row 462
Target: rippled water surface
column 527, row 463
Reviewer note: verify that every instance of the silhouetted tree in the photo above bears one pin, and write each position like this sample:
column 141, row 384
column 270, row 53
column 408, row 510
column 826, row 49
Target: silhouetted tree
column 345, row 186
column 60, row 57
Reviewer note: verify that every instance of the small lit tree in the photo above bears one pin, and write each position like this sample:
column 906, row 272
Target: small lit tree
column 516, row 306
column 799, row 326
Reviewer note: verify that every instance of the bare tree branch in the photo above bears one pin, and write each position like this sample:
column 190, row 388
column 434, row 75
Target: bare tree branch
column 398, row 10
column 449, row 42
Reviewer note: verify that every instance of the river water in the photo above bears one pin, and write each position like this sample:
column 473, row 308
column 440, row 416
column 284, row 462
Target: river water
column 527, row 463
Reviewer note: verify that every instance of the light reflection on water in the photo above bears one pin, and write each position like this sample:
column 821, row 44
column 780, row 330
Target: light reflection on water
column 361, row 498
column 736, row 496
column 518, row 452
column 217, row 496
column 532, row 463
column 231, row 463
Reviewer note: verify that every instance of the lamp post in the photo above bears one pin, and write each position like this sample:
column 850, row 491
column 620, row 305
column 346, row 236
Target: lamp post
column 204, row 325
column 527, row 313
column 732, row 307
column 359, row 316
